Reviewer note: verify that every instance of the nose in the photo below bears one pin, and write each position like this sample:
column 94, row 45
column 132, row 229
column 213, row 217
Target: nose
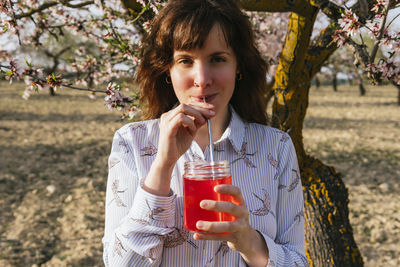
column 202, row 76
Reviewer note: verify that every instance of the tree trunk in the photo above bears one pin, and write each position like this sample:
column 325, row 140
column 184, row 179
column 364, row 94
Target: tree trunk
column 334, row 82
column 359, row 81
column 362, row 89
column 329, row 235
column 398, row 94
column 317, row 82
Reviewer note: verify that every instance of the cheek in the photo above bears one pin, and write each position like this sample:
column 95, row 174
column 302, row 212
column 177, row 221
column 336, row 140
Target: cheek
column 228, row 78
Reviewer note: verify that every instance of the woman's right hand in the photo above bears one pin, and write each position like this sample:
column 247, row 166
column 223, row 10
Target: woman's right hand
column 178, row 128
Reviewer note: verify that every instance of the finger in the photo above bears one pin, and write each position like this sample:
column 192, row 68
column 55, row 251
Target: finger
column 199, row 113
column 224, row 206
column 231, row 190
column 218, row 227
column 212, row 236
column 182, row 120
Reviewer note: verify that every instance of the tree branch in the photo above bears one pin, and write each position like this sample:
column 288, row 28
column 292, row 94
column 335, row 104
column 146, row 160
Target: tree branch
column 321, row 48
column 330, row 9
column 298, row 6
column 381, row 31
column 64, row 85
column 50, row 4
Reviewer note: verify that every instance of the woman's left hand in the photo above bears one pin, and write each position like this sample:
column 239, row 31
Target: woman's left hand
column 239, row 235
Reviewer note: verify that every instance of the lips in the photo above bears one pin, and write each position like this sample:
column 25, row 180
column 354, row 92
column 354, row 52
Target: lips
column 207, row 98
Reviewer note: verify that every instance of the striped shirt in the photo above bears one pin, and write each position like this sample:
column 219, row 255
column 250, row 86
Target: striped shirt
column 142, row 229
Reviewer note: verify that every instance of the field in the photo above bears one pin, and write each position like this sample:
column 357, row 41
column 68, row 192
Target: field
column 53, row 171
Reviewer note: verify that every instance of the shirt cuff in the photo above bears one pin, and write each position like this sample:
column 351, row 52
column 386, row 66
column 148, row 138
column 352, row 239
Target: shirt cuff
column 272, row 250
column 156, row 210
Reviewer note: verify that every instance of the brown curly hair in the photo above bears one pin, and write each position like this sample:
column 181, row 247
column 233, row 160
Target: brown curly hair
column 185, row 25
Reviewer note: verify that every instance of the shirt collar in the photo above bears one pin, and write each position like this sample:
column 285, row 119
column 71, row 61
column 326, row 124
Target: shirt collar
column 235, row 131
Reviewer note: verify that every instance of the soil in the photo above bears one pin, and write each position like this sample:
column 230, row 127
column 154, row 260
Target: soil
column 53, row 171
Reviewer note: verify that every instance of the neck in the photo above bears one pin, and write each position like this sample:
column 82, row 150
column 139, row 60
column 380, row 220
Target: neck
column 218, row 125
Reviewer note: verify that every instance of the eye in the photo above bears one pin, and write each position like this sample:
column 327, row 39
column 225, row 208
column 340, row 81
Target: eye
column 184, row 61
column 218, row 59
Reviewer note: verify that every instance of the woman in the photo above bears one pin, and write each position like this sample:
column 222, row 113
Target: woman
column 200, row 62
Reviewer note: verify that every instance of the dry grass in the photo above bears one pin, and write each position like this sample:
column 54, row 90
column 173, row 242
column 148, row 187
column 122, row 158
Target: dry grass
column 53, row 166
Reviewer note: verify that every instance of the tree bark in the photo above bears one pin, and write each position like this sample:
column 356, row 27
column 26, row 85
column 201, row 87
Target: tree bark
column 398, row 92
column 334, row 81
column 329, row 235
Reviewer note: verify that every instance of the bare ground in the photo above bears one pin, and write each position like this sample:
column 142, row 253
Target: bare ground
column 53, row 169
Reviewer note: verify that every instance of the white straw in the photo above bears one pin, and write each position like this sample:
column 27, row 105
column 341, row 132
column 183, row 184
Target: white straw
column 210, row 137
column 211, row 141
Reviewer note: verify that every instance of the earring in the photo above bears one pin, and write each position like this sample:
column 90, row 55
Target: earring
column 239, row 76
column 168, row 80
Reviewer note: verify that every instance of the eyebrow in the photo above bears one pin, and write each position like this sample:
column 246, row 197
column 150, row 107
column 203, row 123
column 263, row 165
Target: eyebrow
column 218, row 53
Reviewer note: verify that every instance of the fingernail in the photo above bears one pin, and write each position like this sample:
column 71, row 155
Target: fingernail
column 203, row 204
column 199, row 224
column 211, row 112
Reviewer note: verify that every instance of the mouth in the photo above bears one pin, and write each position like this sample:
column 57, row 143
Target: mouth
column 204, row 98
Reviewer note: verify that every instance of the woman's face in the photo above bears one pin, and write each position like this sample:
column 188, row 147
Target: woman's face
column 207, row 73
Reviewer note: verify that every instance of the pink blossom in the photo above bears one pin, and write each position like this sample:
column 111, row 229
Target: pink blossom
column 373, row 27
column 371, row 67
column 349, row 23
column 339, row 37
column 15, row 71
column 116, row 99
column 379, row 6
column 4, row 7
column 389, row 69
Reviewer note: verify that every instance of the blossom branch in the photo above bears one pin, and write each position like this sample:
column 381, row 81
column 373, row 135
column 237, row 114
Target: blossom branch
column 53, row 81
column 381, row 31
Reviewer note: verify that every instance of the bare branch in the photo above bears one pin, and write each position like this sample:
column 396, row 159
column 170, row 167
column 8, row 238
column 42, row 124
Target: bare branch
column 270, row 6
column 321, row 48
column 330, row 9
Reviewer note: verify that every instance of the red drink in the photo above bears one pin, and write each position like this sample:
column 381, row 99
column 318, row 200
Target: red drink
column 199, row 187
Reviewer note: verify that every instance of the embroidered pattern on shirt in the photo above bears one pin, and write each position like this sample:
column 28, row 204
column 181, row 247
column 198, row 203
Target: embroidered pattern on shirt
column 118, row 247
column 272, row 161
column 177, row 237
column 266, row 205
column 293, row 185
column 280, row 242
column 149, row 150
column 138, row 126
column 112, row 163
column 223, row 248
column 244, row 155
column 122, row 143
column 274, row 164
column 153, row 212
column 298, row 216
column 115, row 191
column 284, row 137
column 196, row 157
column 140, row 221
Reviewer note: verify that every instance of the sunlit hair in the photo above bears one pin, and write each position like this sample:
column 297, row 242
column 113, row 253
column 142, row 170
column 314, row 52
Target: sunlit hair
column 185, row 25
